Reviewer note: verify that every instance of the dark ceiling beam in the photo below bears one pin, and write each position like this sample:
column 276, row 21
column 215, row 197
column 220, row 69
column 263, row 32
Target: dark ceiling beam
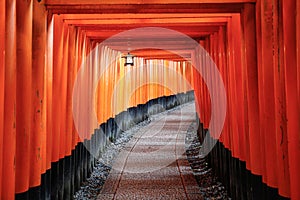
column 113, row 2
column 117, row 16
column 144, row 8
column 180, row 26
column 179, row 20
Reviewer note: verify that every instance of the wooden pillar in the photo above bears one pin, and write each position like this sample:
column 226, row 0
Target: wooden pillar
column 211, row 77
column 9, row 139
column 298, row 48
column 2, row 80
column 75, row 136
column 38, row 140
column 239, row 87
column 292, row 101
column 24, row 91
column 206, row 95
column 260, row 87
column 63, row 89
column 57, row 83
column 222, row 67
column 232, row 97
column 229, row 85
column 49, row 84
column 71, row 77
column 98, row 102
column 245, row 97
column 280, row 106
column 252, row 87
column 196, row 82
column 267, row 93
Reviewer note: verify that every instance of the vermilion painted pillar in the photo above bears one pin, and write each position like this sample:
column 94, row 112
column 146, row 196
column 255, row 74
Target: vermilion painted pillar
column 24, row 91
column 104, row 92
column 252, row 87
column 239, row 87
column 207, row 102
column 110, row 90
column 9, row 139
column 75, row 137
column 280, row 106
column 223, row 70
column 261, row 89
column 210, row 74
column 89, row 92
column 145, row 72
column 82, row 98
column 161, row 75
column 274, row 108
column 149, row 74
column 203, row 88
column 48, row 100
column 267, row 93
column 98, row 102
column 179, row 74
column 230, row 104
column 221, row 65
column 232, row 81
column 188, row 75
column 56, row 88
column 198, row 88
column 196, row 84
column 132, row 98
column 200, row 96
column 245, row 96
column 63, row 89
column 292, row 102
column 203, row 94
column 38, row 139
column 191, row 73
column 138, row 80
column 101, row 87
column 71, row 78
column 298, row 49
column 2, row 80
column 217, row 63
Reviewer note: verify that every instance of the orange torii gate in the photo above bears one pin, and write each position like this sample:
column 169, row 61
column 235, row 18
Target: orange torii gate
column 255, row 45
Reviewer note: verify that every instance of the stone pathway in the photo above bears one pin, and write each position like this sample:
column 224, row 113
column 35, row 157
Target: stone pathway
column 153, row 164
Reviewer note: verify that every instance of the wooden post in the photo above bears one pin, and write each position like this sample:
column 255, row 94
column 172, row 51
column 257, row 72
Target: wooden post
column 57, row 90
column 49, row 92
column 9, row 139
column 38, row 139
column 71, row 78
column 280, row 106
column 267, row 95
column 63, row 89
column 252, row 87
column 292, row 101
column 24, row 92
column 2, row 81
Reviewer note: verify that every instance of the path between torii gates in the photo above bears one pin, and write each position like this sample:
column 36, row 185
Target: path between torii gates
column 153, row 164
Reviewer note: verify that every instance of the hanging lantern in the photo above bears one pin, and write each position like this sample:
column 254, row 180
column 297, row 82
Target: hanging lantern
column 128, row 60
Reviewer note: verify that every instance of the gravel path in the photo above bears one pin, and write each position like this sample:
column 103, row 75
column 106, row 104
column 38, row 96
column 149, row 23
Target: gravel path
column 209, row 187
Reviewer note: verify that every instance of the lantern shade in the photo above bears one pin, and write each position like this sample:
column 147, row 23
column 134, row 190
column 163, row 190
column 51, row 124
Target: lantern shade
column 128, row 60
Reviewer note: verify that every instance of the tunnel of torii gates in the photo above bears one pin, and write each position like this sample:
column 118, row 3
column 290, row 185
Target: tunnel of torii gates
column 254, row 44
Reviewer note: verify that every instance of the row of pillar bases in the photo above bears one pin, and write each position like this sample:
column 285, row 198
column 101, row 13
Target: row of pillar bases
column 65, row 176
column 239, row 181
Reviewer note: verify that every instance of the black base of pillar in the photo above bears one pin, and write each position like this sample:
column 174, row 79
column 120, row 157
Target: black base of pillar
column 65, row 176
column 240, row 183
